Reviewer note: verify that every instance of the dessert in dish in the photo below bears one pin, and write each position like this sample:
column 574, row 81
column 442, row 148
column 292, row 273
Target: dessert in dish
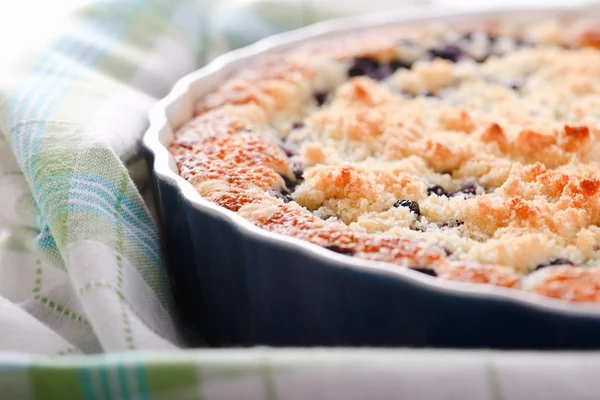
column 467, row 153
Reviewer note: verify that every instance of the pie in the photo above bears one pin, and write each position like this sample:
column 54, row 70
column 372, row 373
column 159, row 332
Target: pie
column 468, row 153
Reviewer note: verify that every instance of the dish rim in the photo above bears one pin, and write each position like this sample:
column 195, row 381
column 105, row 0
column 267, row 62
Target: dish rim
column 164, row 165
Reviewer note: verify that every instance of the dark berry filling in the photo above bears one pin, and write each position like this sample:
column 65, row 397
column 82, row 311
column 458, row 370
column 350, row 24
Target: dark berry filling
column 298, row 125
column 396, row 65
column 341, row 250
column 298, row 170
column 448, row 51
column 289, row 183
column 452, row 50
column 285, row 194
column 282, row 194
column 320, row 97
column 558, row 261
column 364, row 66
column 411, row 205
column 425, row 270
column 292, row 184
column 435, row 189
column 455, row 51
column 469, row 189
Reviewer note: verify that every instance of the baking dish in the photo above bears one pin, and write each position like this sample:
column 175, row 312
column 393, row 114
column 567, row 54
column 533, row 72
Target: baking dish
column 236, row 284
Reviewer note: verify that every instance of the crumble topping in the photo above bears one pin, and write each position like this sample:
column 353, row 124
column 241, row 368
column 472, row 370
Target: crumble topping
column 467, row 154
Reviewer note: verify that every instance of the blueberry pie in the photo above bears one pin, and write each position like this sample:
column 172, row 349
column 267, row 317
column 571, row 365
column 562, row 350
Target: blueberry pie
column 464, row 153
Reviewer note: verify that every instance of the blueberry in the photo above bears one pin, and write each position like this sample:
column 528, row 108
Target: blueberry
column 320, row 97
column 411, row 205
column 386, row 70
column 380, row 73
column 558, row 261
column 425, row 270
column 435, row 189
column 397, row 64
column 291, row 184
column 448, row 51
column 298, row 170
column 298, row 125
column 470, row 190
column 282, row 194
column 363, row 66
column 341, row 250
column 288, row 182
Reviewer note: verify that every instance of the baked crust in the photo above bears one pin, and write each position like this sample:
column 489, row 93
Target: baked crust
column 482, row 168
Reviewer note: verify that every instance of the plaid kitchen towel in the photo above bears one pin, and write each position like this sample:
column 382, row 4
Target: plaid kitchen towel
column 261, row 374
column 80, row 263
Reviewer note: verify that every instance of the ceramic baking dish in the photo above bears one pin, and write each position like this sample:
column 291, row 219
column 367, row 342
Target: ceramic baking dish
column 236, row 284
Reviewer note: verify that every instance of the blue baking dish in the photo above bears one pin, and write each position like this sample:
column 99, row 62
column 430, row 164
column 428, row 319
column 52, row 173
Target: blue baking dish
column 237, row 285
